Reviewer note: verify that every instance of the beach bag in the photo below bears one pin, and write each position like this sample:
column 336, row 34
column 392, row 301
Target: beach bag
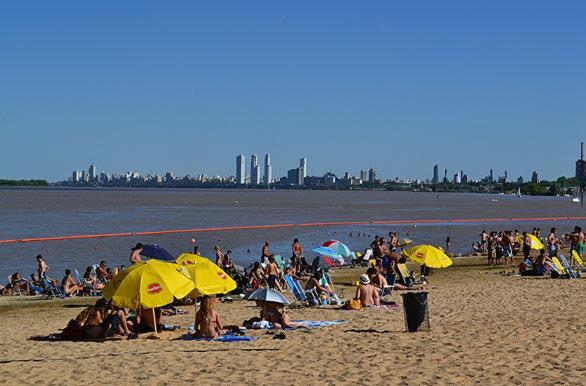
column 353, row 304
column 73, row 331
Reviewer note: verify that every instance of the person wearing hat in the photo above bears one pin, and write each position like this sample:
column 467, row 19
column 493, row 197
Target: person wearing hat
column 135, row 255
column 367, row 293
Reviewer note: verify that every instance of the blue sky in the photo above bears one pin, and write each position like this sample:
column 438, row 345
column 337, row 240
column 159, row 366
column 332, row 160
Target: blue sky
column 395, row 85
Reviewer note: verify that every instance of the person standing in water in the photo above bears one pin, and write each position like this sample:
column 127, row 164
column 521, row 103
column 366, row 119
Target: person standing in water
column 265, row 253
column 297, row 254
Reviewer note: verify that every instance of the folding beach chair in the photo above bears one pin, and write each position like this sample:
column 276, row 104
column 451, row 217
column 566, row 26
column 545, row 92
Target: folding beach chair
column 558, row 267
column 326, row 281
column 570, row 271
column 388, row 289
column 15, row 288
column 579, row 262
column 53, row 290
column 306, row 297
column 404, row 276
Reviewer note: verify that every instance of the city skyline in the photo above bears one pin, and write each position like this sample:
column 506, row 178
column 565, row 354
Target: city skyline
column 398, row 88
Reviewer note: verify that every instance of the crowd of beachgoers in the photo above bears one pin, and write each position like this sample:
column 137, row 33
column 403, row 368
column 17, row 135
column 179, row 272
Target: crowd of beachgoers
column 384, row 264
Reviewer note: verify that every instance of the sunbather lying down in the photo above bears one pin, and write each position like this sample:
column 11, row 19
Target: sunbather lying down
column 275, row 314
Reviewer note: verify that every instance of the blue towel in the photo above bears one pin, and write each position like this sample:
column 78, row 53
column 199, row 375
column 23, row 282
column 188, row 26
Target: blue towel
column 223, row 338
column 318, row 323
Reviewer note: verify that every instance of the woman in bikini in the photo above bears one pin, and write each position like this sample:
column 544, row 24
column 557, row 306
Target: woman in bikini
column 208, row 323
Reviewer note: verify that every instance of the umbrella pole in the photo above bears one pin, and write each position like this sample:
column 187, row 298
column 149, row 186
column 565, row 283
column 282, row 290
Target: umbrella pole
column 155, row 321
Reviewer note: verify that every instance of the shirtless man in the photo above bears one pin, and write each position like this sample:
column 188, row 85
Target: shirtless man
column 264, row 254
column 42, row 267
column 297, row 254
column 552, row 243
column 272, row 273
column 135, row 255
column 376, row 278
column 367, row 293
column 313, row 282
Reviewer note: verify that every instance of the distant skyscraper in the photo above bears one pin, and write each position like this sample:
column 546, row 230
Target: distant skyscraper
column 520, row 181
column 75, row 176
column 254, row 170
column 364, row 175
column 303, row 166
column 240, row 170
column 92, row 172
column 435, row 174
column 506, row 176
column 491, row 177
column 84, row 177
column 445, row 180
column 371, row 176
column 268, row 177
column 581, row 165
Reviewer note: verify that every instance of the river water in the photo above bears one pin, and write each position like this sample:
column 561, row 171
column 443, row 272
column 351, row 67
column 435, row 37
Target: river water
column 26, row 213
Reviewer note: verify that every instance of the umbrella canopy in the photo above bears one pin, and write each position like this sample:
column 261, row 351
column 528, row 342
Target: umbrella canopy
column 189, row 258
column 429, row 255
column 268, row 295
column 341, row 248
column 326, row 251
column 209, row 279
column 322, row 262
column 535, row 242
column 149, row 284
column 156, row 252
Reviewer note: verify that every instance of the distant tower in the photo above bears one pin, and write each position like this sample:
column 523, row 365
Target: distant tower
column 371, row 176
column 268, row 177
column 435, row 174
column 240, row 170
column 364, row 175
column 581, row 165
column 75, row 177
column 445, row 175
column 303, row 166
column 254, row 170
column 92, row 172
column 506, row 176
column 535, row 178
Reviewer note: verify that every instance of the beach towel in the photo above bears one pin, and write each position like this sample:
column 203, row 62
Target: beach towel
column 223, row 338
column 318, row 323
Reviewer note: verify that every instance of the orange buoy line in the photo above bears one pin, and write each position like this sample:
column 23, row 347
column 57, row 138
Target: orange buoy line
column 290, row 225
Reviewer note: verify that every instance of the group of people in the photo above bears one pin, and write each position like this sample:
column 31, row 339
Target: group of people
column 90, row 283
column 502, row 247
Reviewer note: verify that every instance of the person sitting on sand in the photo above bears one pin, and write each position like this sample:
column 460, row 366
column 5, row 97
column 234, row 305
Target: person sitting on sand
column 70, row 286
column 257, row 276
column 367, row 293
column 146, row 319
column 208, row 323
column 96, row 323
column 275, row 313
column 18, row 284
column 314, row 282
column 135, row 254
column 292, row 271
column 542, row 263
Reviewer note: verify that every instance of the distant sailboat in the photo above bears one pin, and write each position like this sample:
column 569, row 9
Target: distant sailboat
column 518, row 192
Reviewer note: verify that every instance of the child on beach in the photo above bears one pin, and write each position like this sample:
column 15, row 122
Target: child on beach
column 272, row 273
column 208, row 323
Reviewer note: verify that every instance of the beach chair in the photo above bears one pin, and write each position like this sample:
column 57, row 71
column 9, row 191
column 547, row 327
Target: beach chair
column 326, row 281
column 53, row 290
column 569, row 270
column 15, row 288
column 388, row 289
column 306, row 297
column 405, row 277
column 558, row 267
column 579, row 262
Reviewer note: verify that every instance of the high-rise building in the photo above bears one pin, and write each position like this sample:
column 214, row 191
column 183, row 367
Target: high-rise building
column 457, row 178
column 295, row 177
column 435, row 179
column 303, row 166
column 445, row 180
column 581, row 165
column 364, row 175
column 254, row 170
column 371, row 176
column 506, row 176
column 84, row 176
column 75, row 176
column 520, row 181
column 268, row 177
column 491, row 177
column 240, row 170
column 92, row 171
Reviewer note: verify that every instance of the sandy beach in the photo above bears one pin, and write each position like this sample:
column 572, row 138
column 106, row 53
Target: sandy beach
column 486, row 328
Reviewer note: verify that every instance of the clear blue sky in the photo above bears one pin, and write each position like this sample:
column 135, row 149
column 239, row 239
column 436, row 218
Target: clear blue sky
column 396, row 85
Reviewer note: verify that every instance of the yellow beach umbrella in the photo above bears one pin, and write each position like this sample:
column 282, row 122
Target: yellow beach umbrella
column 535, row 242
column 429, row 255
column 149, row 284
column 209, row 279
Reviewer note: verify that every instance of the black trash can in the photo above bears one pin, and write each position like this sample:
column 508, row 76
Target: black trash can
column 416, row 311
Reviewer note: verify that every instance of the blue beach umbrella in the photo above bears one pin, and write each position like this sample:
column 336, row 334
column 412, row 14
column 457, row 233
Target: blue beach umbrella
column 329, row 252
column 156, row 252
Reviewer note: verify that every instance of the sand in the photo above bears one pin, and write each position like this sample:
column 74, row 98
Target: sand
column 486, row 328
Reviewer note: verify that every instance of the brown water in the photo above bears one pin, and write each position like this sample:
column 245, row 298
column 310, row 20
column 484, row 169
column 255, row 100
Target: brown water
column 57, row 212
